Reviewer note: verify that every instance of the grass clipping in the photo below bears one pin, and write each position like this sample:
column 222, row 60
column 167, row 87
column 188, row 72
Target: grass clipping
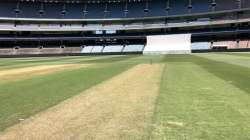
column 120, row 108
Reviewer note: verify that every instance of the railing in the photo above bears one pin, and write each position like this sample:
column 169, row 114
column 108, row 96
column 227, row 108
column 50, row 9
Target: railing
column 95, row 27
column 101, row 20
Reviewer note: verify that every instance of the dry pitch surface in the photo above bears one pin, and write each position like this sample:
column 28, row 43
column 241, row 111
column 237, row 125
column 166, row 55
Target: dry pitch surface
column 119, row 108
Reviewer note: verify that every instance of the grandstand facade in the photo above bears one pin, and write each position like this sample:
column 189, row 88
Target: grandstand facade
column 119, row 26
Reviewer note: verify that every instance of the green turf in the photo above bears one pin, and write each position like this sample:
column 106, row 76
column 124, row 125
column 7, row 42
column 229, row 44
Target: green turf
column 235, row 74
column 202, row 96
column 202, row 99
column 23, row 98
column 12, row 63
column 247, row 54
column 110, row 59
column 228, row 58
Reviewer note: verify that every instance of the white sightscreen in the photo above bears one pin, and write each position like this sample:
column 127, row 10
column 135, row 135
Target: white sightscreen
column 164, row 44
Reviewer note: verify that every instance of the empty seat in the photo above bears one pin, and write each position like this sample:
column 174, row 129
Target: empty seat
column 74, row 11
column 95, row 11
column 72, row 50
column 116, row 10
column 97, row 49
column 200, row 45
column 21, row 51
column 244, row 44
column 29, row 10
column 245, row 3
column 52, row 50
column 228, row 44
column 52, row 10
column 157, row 8
column 135, row 9
column 178, row 7
column 32, row 9
column 133, row 48
column 87, row 49
column 6, row 51
column 199, row 6
column 113, row 48
column 225, row 5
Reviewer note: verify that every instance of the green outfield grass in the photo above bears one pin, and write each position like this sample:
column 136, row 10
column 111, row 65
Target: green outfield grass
column 247, row 54
column 23, row 98
column 11, row 63
column 201, row 96
column 231, row 58
column 202, row 99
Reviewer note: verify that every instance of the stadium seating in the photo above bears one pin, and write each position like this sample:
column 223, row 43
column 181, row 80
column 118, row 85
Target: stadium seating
column 113, row 48
column 51, row 50
column 97, row 49
column 87, row 49
column 23, row 50
column 200, row 45
column 6, row 51
column 98, row 23
column 244, row 44
column 35, row 50
column 113, row 27
column 117, row 48
column 133, row 48
column 200, row 6
column 245, row 3
column 71, row 50
column 233, row 44
column 30, row 9
column 222, row 5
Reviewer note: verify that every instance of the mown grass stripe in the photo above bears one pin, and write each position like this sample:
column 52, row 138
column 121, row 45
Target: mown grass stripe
column 239, row 54
column 11, row 64
column 237, row 75
column 233, row 74
column 112, row 59
column 118, row 108
column 226, row 58
column 24, row 98
column 195, row 104
column 14, row 63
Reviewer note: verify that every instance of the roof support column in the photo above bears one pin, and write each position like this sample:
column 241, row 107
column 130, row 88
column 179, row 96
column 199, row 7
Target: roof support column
column 213, row 5
column 190, row 6
column 85, row 10
column 17, row 9
column 167, row 8
column 126, row 9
